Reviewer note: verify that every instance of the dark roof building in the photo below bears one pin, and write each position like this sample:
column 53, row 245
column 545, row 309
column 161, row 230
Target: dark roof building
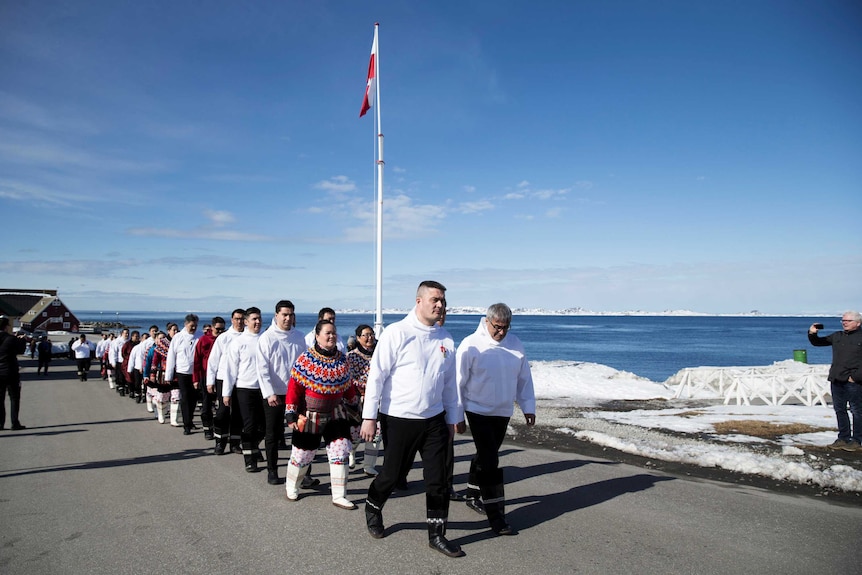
column 37, row 310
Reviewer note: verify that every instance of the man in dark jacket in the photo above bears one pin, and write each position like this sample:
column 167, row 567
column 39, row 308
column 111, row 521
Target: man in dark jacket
column 845, row 375
column 10, row 378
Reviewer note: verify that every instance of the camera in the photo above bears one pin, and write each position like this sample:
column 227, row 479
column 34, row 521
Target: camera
column 818, row 325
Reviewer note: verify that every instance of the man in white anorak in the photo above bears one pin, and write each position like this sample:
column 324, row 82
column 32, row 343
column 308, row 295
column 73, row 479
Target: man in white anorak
column 493, row 374
column 241, row 374
column 412, row 383
column 277, row 349
column 180, row 367
column 226, row 423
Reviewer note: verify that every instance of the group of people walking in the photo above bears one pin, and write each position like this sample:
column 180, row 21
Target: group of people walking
column 410, row 392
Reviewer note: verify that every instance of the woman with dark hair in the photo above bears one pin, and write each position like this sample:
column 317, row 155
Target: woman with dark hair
column 314, row 409
column 359, row 362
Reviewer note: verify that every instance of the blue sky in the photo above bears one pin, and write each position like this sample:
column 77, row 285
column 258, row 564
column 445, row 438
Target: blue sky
column 605, row 155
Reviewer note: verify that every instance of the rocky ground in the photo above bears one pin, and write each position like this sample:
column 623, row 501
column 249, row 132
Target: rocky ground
column 548, row 433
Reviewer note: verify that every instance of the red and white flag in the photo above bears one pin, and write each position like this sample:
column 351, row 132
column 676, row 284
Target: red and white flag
column 371, row 84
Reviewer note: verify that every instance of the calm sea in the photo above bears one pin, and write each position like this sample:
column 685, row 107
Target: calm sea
column 652, row 347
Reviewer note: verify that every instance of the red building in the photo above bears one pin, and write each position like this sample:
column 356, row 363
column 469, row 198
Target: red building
column 37, row 310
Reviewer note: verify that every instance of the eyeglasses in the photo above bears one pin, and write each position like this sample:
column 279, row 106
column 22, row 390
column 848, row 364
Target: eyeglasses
column 499, row 328
column 848, row 320
column 366, row 335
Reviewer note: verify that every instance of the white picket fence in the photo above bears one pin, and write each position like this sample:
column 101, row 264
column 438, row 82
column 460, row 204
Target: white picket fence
column 773, row 385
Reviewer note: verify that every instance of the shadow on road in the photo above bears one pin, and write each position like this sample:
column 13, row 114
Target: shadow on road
column 161, row 458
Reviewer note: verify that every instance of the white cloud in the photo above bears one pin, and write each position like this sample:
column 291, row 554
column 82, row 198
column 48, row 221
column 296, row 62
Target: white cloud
column 475, row 207
column 338, row 184
column 219, row 217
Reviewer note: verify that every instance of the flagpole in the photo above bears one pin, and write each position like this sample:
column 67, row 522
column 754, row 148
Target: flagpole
column 378, row 320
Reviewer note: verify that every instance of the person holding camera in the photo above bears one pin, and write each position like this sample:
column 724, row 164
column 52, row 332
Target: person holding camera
column 845, row 377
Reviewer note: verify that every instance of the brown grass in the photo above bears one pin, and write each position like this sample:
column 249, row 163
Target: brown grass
column 765, row 429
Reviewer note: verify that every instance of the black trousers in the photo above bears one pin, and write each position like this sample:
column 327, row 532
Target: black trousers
column 14, row 389
column 404, row 439
column 274, row 430
column 188, row 398
column 208, row 402
column 137, row 381
column 83, row 365
column 227, row 422
column 250, row 403
column 488, row 431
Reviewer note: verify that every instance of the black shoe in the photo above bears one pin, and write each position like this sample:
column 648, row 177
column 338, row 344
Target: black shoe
column 187, row 431
column 455, row 496
column 18, row 427
column 235, row 449
column 374, row 522
column 309, row 482
column 504, row 529
column 208, row 435
column 138, row 399
column 444, row 546
column 252, row 467
column 476, row 505
column 272, row 477
column 219, row 448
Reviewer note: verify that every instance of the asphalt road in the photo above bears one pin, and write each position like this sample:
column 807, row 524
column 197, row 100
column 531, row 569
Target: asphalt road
column 94, row 485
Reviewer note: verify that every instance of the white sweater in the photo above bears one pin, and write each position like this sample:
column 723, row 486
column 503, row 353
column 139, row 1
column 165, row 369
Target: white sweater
column 241, row 363
column 181, row 354
column 82, row 349
column 216, row 360
column 493, row 375
column 412, row 373
column 276, row 351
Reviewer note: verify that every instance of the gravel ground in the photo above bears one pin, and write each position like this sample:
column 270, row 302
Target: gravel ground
column 548, row 434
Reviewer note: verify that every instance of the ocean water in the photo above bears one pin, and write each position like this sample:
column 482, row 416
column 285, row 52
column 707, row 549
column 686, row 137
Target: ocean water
column 654, row 347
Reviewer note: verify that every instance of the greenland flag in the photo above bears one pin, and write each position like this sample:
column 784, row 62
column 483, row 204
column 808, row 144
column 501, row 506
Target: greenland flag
column 371, row 84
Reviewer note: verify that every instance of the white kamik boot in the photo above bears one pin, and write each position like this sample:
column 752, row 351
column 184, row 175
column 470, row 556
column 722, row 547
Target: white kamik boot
column 149, row 402
column 338, row 478
column 175, row 412
column 160, row 411
column 292, row 480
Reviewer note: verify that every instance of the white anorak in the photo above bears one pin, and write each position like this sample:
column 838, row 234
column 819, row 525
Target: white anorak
column 277, row 350
column 216, row 360
column 412, row 373
column 181, row 354
column 493, row 375
column 241, row 363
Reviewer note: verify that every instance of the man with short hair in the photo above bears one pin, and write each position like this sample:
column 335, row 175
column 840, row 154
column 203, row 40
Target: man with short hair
column 241, row 374
column 126, row 352
column 493, row 375
column 412, row 382
column 115, row 356
column 203, row 350
column 82, row 350
column 11, row 347
column 136, row 367
column 328, row 314
column 226, row 422
column 101, row 346
column 845, row 376
column 181, row 361
column 277, row 350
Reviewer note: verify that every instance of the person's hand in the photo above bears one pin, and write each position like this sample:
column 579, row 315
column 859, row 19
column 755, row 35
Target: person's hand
column 461, row 427
column 272, row 400
column 210, row 389
column 813, row 329
column 531, row 418
column 226, row 401
column 196, row 384
column 368, row 429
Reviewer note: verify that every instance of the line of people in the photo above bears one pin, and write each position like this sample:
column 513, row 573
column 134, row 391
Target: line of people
column 409, row 392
